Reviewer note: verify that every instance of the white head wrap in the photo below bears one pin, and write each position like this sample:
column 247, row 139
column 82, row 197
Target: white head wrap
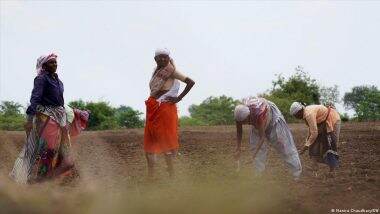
column 295, row 108
column 42, row 60
column 241, row 112
column 162, row 51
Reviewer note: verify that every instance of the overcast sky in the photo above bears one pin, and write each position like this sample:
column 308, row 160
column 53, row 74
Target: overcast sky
column 106, row 48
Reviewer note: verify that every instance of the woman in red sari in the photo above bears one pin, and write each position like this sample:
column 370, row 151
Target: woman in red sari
column 49, row 127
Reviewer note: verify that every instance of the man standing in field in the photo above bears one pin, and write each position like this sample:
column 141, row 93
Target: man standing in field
column 267, row 122
column 161, row 128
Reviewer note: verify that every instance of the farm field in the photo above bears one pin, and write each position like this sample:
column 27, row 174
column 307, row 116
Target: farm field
column 112, row 176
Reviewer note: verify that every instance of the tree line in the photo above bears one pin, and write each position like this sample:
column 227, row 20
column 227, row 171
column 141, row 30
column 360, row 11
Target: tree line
column 103, row 116
column 363, row 100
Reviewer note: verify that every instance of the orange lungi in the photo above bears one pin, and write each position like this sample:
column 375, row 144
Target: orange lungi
column 161, row 126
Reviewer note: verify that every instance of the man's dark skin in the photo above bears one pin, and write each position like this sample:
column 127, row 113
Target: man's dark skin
column 51, row 67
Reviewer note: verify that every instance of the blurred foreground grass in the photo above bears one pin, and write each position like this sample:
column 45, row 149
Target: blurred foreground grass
column 213, row 191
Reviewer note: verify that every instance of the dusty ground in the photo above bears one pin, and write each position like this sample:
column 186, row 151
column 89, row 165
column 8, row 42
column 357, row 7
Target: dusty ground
column 112, row 176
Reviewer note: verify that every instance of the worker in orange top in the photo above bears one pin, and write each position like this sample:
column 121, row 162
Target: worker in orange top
column 324, row 129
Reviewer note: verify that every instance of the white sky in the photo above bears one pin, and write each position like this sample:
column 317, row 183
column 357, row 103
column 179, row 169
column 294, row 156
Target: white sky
column 106, row 48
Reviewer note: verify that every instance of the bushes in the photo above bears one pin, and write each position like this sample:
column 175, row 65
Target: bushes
column 298, row 87
column 212, row 111
column 12, row 123
column 365, row 100
column 103, row 116
column 344, row 117
column 128, row 117
column 11, row 117
column 189, row 121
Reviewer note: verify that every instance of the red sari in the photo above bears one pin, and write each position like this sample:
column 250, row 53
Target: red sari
column 161, row 128
column 47, row 152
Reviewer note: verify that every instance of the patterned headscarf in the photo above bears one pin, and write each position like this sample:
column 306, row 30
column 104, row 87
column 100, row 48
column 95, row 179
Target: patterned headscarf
column 42, row 60
column 295, row 108
column 241, row 112
column 162, row 51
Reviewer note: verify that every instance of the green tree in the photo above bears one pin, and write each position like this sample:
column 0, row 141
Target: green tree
column 78, row 104
column 102, row 115
column 128, row 117
column 11, row 117
column 365, row 101
column 344, row 117
column 214, row 111
column 108, row 123
column 10, row 108
column 298, row 87
column 329, row 95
